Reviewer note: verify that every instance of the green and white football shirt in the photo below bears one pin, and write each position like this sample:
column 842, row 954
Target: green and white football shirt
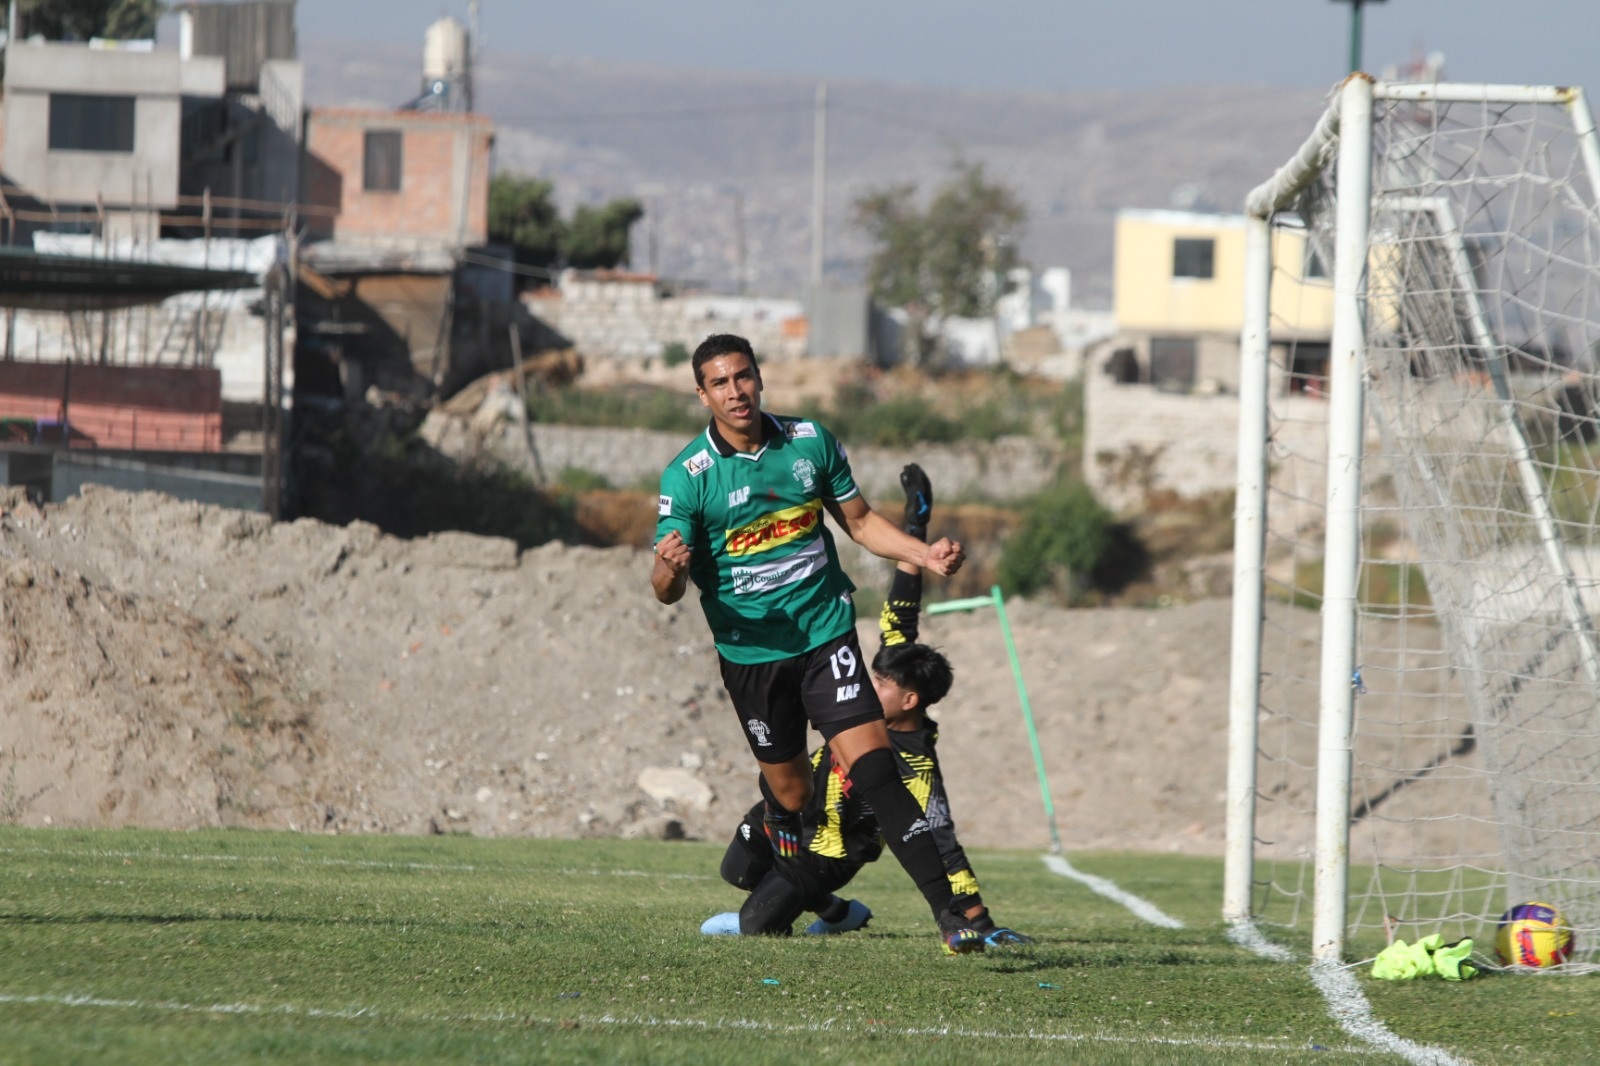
column 770, row 581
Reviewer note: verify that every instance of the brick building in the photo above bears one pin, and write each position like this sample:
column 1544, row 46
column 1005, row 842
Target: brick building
column 398, row 179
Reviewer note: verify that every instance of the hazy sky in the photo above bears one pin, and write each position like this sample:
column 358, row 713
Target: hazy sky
column 1019, row 44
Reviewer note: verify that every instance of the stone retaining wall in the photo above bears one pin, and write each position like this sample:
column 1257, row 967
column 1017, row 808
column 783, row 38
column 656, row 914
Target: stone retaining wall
column 1000, row 471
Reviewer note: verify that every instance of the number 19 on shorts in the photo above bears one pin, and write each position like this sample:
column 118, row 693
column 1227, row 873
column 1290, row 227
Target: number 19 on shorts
column 843, row 661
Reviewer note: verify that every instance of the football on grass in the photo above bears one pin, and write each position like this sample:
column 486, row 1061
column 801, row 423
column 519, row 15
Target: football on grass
column 1533, row 934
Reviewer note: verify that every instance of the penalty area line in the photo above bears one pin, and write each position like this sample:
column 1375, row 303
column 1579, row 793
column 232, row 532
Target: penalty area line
column 641, row 1021
column 1142, row 908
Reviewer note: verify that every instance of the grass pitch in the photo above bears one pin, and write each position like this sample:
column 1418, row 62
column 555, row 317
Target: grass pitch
column 224, row 947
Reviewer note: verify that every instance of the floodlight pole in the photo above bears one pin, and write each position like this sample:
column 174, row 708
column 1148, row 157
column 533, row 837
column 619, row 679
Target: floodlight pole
column 1355, row 30
column 998, row 602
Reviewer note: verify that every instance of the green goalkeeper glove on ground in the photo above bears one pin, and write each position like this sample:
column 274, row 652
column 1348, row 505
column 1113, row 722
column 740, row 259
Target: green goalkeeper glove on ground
column 1401, row 961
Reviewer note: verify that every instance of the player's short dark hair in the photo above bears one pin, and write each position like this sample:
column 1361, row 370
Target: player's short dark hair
column 916, row 668
column 719, row 344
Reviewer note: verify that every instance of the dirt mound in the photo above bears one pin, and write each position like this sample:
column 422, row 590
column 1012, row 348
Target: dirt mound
column 173, row 664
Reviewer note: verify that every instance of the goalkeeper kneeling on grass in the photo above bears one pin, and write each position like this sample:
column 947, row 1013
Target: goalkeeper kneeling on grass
column 841, row 835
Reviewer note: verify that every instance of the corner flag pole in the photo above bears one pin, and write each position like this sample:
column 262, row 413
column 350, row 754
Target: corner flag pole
column 997, row 601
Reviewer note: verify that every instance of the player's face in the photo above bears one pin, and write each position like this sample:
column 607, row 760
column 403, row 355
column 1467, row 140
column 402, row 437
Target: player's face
column 899, row 704
column 731, row 391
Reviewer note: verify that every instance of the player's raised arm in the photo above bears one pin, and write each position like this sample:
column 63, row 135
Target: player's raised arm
column 882, row 538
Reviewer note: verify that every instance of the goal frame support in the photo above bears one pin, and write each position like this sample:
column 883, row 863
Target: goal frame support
column 1343, row 138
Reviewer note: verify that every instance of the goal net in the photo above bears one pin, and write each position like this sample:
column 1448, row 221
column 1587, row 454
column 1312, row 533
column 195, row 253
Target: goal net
column 1415, row 703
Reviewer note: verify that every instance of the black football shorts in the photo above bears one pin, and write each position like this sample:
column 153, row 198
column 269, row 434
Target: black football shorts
column 829, row 686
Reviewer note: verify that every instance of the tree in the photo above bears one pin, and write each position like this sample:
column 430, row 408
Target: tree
column 598, row 236
column 522, row 212
column 81, row 19
column 950, row 258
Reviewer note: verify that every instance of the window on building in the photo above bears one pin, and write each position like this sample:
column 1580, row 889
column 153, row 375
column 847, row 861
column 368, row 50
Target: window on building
column 1123, row 367
column 1313, row 268
column 80, row 122
column 1308, row 368
column 380, row 161
column 1172, row 361
column 1192, row 257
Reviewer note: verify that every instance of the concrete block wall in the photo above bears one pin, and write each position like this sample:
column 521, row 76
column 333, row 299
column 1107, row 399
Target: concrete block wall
column 1139, row 441
column 1000, row 471
column 629, row 321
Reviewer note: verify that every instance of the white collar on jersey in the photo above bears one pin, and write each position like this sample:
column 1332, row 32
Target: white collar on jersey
column 771, row 430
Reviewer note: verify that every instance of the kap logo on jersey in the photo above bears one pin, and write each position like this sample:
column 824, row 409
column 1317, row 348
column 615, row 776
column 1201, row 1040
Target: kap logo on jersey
column 738, row 496
column 698, row 463
column 774, row 528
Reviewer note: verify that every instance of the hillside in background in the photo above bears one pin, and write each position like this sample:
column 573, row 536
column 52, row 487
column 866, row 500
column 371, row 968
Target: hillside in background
column 712, row 154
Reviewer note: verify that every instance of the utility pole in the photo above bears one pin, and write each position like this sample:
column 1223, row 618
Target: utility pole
column 655, row 229
column 819, row 161
column 472, row 54
column 1355, row 30
column 738, row 228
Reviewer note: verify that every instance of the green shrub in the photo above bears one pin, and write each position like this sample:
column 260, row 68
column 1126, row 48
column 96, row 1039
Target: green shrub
column 999, row 406
column 1064, row 537
column 657, row 409
column 576, row 479
column 1385, row 588
column 993, row 419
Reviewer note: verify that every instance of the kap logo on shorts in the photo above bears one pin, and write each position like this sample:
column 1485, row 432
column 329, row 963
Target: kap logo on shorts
column 774, row 529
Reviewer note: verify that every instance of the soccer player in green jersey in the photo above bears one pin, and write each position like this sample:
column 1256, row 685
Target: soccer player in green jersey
column 841, row 834
column 741, row 513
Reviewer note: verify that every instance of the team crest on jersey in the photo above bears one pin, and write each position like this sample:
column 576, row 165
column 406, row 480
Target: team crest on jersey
column 664, row 506
column 805, row 472
column 799, row 429
column 758, row 729
column 698, row 463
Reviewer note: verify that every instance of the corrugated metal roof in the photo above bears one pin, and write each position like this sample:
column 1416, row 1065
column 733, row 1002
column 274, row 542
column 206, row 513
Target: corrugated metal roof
column 70, row 283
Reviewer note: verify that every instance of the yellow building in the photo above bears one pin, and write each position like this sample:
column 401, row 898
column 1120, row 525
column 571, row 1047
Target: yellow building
column 1179, row 299
column 1161, row 405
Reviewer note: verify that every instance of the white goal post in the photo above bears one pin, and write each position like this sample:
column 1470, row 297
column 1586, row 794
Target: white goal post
column 1414, row 705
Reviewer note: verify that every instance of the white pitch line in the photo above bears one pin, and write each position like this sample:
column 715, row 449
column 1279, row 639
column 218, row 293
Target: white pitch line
column 375, row 864
column 645, row 1022
column 1142, row 908
column 1347, row 1005
column 1351, row 1010
column 1247, row 936
column 270, row 859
